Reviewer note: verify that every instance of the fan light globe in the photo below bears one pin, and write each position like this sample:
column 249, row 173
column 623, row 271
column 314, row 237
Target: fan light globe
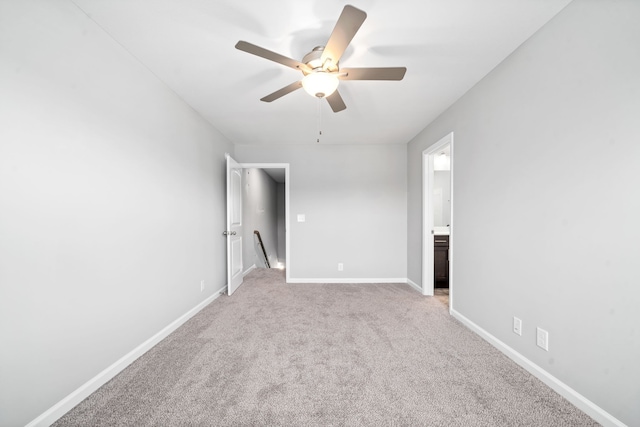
column 320, row 83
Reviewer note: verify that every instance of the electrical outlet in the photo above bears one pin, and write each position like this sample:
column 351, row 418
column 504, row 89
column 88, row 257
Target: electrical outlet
column 201, row 285
column 542, row 339
column 340, row 266
column 517, row 326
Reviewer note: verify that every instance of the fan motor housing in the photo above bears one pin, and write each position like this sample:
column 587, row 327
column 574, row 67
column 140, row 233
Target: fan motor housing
column 314, row 60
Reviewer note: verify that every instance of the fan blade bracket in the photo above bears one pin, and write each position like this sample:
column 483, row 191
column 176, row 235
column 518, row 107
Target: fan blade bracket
column 330, row 66
column 304, row 68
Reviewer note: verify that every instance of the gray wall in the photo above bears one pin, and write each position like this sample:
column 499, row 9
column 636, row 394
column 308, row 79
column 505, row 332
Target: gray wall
column 550, row 139
column 259, row 212
column 111, row 205
column 354, row 198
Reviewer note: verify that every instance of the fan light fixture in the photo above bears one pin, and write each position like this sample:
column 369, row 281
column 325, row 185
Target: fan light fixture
column 320, row 67
column 320, row 83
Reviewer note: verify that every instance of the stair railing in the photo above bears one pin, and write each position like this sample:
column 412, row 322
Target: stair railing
column 266, row 259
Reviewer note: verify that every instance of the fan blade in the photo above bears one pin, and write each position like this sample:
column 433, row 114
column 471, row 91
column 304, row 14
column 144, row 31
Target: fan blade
column 347, row 26
column 392, row 73
column 282, row 92
column 336, row 102
column 271, row 56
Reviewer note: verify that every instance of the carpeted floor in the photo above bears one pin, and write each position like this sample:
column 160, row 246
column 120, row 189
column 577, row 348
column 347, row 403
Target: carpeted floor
column 324, row 355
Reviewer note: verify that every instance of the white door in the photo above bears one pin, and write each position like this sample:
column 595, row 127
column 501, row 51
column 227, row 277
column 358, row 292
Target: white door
column 234, row 225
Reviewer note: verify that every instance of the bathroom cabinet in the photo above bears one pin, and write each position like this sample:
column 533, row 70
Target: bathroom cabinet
column 441, row 261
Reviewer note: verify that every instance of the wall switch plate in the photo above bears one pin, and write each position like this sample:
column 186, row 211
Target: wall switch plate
column 201, row 285
column 340, row 266
column 542, row 339
column 517, row 326
column 301, row 218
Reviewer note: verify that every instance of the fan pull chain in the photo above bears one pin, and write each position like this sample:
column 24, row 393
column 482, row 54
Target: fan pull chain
column 319, row 120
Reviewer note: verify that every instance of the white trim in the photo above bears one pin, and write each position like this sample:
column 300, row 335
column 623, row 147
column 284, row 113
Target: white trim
column 578, row 400
column 353, row 280
column 451, row 227
column 248, row 270
column 427, row 217
column 414, row 285
column 52, row 414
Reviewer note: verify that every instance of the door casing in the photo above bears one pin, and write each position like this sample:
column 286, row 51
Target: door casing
column 287, row 180
column 427, row 217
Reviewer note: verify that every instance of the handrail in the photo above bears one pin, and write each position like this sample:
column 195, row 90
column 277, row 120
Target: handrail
column 266, row 259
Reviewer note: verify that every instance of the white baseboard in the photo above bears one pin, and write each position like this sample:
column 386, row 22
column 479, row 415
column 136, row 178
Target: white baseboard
column 65, row 405
column 359, row 281
column 345, row 280
column 414, row 285
column 248, row 270
column 59, row 409
column 578, row 400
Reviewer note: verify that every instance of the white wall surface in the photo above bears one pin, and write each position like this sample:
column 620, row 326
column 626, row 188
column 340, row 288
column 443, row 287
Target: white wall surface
column 550, row 140
column 259, row 212
column 354, row 201
column 111, row 205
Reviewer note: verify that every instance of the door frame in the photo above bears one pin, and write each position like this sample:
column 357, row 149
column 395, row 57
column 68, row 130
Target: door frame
column 427, row 217
column 287, row 179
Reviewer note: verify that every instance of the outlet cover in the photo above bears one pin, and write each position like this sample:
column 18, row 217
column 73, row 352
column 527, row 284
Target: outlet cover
column 340, row 266
column 542, row 339
column 201, row 285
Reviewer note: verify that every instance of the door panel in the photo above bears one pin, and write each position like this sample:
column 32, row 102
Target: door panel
column 234, row 225
column 236, row 257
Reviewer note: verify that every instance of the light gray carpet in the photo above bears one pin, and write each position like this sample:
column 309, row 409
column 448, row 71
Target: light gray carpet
column 324, row 355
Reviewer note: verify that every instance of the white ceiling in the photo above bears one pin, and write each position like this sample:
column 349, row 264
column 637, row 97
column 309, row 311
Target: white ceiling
column 446, row 45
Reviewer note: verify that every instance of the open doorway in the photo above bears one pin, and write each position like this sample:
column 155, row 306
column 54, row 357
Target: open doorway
column 437, row 215
column 266, row 210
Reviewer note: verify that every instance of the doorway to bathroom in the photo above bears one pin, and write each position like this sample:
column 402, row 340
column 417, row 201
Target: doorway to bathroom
column 437, row 217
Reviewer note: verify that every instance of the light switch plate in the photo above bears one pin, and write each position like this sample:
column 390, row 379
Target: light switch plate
column 517, row 326
column 301, row 218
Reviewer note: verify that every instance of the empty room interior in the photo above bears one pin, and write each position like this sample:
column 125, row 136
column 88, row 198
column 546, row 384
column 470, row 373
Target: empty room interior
column 120, row 123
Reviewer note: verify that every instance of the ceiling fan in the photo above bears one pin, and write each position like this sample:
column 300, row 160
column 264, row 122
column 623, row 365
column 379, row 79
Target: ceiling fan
column 321, row 68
